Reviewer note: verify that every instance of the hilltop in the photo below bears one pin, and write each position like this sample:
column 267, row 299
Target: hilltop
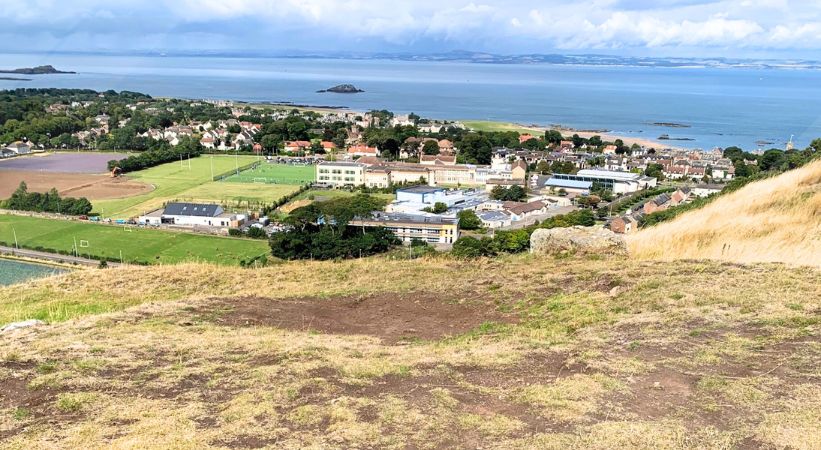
column 773, row 220
column 514, row 352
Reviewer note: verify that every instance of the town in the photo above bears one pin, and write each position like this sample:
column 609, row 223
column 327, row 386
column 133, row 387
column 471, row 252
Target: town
column 436, row 180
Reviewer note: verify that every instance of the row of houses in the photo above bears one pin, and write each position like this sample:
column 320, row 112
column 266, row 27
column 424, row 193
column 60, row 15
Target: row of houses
column 629, row 222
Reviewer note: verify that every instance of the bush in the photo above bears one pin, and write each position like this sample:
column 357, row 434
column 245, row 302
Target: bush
column 23, row 200
column 468, row 220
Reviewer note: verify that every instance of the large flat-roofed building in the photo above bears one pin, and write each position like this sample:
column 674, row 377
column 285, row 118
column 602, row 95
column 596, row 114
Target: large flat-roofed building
column 617, row 182
column 569, row 186
column 192, row 215
column 340, row 173
column 407, row 227
column 417, row 198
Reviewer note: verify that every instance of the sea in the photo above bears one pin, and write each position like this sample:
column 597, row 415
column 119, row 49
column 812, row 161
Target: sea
column 697, row 107
column 12, row 272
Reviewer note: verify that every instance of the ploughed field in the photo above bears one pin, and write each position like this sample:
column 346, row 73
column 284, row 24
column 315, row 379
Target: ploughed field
column 72, row 174
column 517, row 352
column 80, row 162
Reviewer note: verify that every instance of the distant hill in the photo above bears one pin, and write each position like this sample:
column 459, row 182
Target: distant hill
column 774, row 220
column 39, row 70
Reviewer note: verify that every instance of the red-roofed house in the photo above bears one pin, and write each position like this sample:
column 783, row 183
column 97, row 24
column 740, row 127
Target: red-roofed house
column 297, row 146
column 437, row 160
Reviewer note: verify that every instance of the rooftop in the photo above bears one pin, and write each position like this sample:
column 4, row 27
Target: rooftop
column 192, row 209
column 420, row 190
column 573, row 184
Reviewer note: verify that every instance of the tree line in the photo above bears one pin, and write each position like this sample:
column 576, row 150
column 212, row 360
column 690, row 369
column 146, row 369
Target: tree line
column 23, row 200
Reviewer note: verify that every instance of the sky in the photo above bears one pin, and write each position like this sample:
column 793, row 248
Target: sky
column 731, row 28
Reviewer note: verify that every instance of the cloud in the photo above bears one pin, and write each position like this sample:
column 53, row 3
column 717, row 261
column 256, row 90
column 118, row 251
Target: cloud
column 494, row 25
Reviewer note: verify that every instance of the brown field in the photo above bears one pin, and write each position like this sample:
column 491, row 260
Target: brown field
column 93, row 187
column 517, row 352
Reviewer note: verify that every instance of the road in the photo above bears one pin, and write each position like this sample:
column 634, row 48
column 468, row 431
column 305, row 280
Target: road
column 33, row 254
column 541, row 218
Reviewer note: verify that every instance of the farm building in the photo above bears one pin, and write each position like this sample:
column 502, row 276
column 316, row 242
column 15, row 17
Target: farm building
column 17, row 148
column 192, row 214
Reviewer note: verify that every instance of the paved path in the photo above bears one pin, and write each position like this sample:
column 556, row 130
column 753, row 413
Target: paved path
column 52, row 257
column 541, row 218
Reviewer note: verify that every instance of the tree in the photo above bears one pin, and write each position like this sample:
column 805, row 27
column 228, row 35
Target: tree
column 470, row 247
column 430, row 148
column 468, row 220
column 595, row 141
column 655, row 170
column 553, row 136
column 543, row 167
column 438, row 208
column 270, row 142
column 475, row 148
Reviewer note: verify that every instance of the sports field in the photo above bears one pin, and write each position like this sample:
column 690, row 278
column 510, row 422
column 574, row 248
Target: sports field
column 170, row 180
column 276, row 174
column 137, row 245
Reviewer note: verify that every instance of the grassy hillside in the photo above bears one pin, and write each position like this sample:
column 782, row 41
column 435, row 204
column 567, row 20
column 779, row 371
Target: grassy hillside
column 775, row 220
column 517, row 352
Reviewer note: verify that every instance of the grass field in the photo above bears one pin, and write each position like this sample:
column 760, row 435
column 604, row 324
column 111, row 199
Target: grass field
column 276, row 174
column 519, row 352
column 171, row 180
column 487, row 125
column 139, row 245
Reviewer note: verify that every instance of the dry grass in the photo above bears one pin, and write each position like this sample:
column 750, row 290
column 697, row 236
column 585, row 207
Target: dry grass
column 775, row 220
column 605, row 353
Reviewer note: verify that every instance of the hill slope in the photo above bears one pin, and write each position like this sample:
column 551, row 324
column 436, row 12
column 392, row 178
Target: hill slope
column 774, row 220
column 516, row 352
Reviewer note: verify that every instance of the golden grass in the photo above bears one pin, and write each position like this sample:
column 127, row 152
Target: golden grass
column 774, row 220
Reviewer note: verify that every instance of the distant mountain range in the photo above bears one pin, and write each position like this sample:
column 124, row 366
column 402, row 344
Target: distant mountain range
column 492, row 58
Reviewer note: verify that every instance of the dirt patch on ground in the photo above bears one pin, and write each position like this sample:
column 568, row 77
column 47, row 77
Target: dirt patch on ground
column 93, row 187
column 391, row 317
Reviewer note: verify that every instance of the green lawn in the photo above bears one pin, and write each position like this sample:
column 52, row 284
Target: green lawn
column 276, row 174
column 171, row 180
column 487, row 125
column 140, row 245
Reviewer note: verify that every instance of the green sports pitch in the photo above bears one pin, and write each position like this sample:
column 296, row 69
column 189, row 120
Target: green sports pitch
column 272, row 173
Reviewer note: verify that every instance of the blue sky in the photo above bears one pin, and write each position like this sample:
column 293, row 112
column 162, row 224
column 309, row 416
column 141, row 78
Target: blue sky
column 731, row 28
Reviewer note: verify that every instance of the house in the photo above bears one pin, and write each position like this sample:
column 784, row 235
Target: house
column 525, row 137
column 340, row 173
column 362, row 150
column 19, row 148
column 446, row 147
column 192, row 215
column 706, row 190
column 328, row 146
column 609, row 150
column 432, row 160
column 519, row 170
column 522, row 210
column 297, row 146
column 626, row 224
column 681, row 195
column 207, row 142
column 408, row 227
column 495, row 219
column 659, row 203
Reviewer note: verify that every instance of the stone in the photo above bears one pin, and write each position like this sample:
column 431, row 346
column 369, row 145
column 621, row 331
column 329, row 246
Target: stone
column 20, row 325
column 577, row 240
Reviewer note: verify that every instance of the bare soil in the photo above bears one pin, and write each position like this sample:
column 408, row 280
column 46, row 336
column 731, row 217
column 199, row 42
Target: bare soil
column 93, row 187
column 390, row 317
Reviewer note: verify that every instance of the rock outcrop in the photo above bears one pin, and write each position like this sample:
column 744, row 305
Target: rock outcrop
column 343, row 89
column 579, row 240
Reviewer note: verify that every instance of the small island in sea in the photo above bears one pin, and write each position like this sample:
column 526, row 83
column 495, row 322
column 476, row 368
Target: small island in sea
column 342, row 89
column 39, row 70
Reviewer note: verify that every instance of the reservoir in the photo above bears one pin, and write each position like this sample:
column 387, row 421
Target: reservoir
column 12, row 272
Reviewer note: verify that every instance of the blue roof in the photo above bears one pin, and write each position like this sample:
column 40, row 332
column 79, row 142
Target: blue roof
column 574, row 184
